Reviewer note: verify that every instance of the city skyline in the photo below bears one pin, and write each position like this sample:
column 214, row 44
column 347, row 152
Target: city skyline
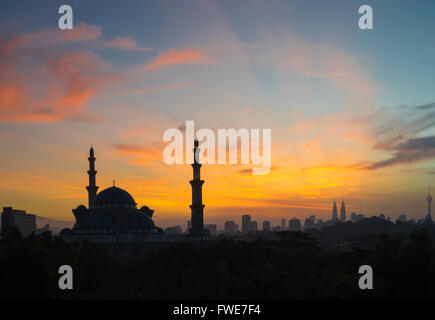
column 346, row 125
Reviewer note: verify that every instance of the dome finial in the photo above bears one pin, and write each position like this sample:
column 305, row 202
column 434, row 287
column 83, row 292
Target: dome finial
column 114, row 182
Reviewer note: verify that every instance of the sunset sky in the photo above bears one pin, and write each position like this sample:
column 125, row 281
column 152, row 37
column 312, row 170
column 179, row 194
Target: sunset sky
column 352, row 111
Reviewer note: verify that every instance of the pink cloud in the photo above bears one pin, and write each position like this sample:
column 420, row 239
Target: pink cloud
column 141, row 154
column 44, row 37
column 124, row 43
column 180, row 57
column 41, row 83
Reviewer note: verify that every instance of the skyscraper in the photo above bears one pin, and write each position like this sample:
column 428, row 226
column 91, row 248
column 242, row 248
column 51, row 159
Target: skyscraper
column 26, row 223
column 308, row 224
column 266, row 226
column 246, row 223
column 342, row 212
column 92, row 188
column 254, row 226
column 283, row 224
column 231, row 227
column 197, row 208
column 334, row 212
column 294, row 224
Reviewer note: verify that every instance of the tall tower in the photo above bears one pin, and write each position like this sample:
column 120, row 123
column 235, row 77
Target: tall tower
column 342, row 212
column 334, row 212
column 246, row 223
column 197, row 218
column 429, row 205
column 92, row 188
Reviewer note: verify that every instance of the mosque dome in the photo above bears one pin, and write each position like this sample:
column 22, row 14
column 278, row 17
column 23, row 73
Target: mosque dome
column 111, row 211
column 114, row 197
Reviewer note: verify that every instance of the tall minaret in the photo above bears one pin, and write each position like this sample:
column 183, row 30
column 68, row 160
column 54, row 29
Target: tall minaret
column 334, row 212
column 429, row 205
column 92, row 188
column 197, row 218
column 342, row 212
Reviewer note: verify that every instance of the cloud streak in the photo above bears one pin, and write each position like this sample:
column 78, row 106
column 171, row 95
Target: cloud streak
column 124, row 43
column 410, row 151
column 142, row 154
column 403, row 135
column 313, row 60
column 179, row 57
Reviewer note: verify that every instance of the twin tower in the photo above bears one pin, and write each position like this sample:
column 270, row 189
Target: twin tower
column 342, row 212
column 197, row 208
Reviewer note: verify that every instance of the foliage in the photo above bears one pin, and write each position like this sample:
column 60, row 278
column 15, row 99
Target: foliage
column 290, row 267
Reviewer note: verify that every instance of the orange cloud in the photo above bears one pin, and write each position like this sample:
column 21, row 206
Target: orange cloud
column 41, row 83
column 179, row 57
column 55, row 89
column 46, row 37
column 124, row 43
column 143, row 154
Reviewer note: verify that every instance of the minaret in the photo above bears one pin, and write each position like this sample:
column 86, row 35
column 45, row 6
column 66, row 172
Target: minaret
column 334, row 212
column 197, row 218
column 429, row 205
column 342, row 212
column 92, row 188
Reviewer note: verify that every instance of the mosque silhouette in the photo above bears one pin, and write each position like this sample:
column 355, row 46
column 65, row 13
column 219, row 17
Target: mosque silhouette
column 112, row 214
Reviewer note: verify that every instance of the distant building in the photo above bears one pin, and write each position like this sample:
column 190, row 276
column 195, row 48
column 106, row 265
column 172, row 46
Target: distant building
column 55, row 230
column 254, row 226
column 382, row 216
column 342, row 212
column 276, row 229
column 246, row 223
column 356, row 217
column 26, row 223
column 174, row 230
column 402, row 218
column 212, row 228
column 282, row 224
column 313, row 218
column 231, row 227
column 353, row 217
column 320, row 224
column 309, row 224
column 294, row 225
column 266, row 226
column 334, row 212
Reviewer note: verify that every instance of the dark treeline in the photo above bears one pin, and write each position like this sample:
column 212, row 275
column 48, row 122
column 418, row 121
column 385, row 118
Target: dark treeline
column 292, row 267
